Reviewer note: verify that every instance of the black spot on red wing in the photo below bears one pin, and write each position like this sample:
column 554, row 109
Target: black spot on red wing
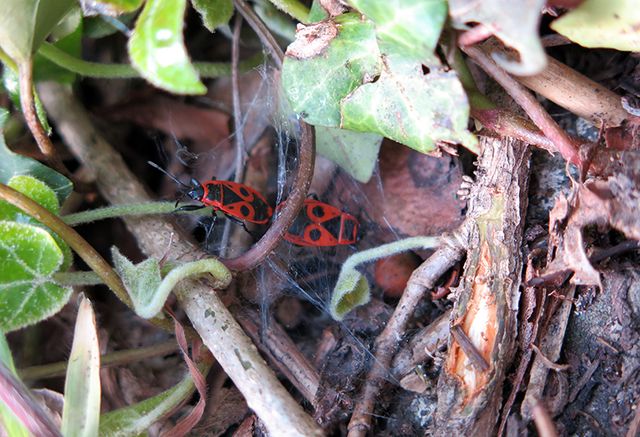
column 245, row 211
column 243, row 191
column 315, row 235
column 317, row 211
column 333, row 227
column 298, row 226
column 230, row 196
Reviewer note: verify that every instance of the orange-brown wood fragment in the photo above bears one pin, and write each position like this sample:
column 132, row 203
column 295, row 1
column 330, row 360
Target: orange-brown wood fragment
column 479, row 323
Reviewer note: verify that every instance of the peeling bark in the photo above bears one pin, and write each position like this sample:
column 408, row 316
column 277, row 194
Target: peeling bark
column 486, row 304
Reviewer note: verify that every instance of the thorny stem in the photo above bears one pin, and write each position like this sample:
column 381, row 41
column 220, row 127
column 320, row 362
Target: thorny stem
column 27, row 102
column 88, row 254
column 422, row 280
column 126, row 71
column 527, row 101
column 117, row 358
column 306, row 158
column 294, row 8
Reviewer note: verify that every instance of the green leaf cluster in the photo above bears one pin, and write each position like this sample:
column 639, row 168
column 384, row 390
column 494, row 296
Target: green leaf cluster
column 376, row 73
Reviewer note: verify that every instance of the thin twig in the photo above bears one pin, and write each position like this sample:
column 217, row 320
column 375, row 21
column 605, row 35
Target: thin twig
column 282, row 352
column 543, row 421
column 527, row 101
column 28, row 105
column 109, row 359
column 475, row 357
column 306, row 158
column 550, row 364
column 237, row 122
column 277, row 55
column 422, row 280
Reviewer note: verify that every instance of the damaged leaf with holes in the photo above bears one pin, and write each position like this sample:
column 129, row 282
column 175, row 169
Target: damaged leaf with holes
column 343, row 52
column 411, row 108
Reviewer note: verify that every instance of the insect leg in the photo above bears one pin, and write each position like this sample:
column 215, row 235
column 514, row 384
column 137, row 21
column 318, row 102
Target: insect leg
column 189, row 208
column 241, row 223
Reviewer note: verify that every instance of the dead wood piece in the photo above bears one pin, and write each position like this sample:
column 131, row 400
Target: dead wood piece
column 550, row 346
column 282, row 352
column 543, row 421
column 486, row 302
column 423, row 345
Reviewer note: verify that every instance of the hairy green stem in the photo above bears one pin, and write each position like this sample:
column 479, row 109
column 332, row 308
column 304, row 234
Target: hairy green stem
column 294, row 8
column 54, row 370
column 126, row 71
column 88, row 254
column 352, row 289
column 147, row 208
column 72, row 279
column 389, row 249
column 221, row 279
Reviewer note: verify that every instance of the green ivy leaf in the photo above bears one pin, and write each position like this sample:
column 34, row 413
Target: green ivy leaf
column 407, row 28
column 279, row 23
column 355, row 152
column 157, row 48
column 317, row 12
column 609, row 24
column 516, row 23
column 29, row 256
column 410, row 107
column 36, row 190
column 12, row 164
column 344, row 55
column 24, row 24
column 136, row 419
column 81, row 412
column 110, row 7
column 214, row 13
